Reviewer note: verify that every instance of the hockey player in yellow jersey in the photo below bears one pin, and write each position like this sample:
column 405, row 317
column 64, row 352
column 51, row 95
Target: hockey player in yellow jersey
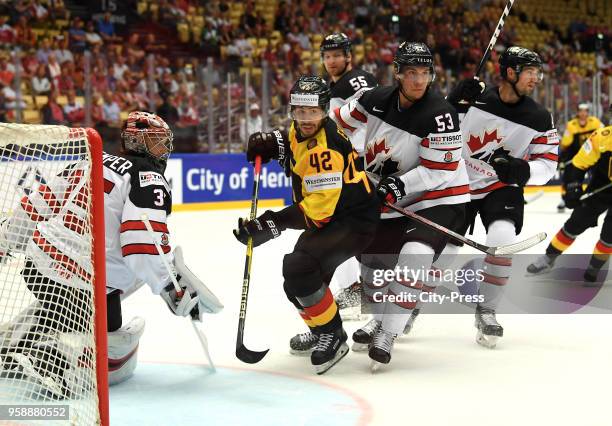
column 577, row 131
column 335, row 205
column 595, row 156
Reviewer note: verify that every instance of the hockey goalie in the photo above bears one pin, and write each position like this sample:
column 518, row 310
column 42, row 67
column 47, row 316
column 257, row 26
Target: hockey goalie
column 46, row 342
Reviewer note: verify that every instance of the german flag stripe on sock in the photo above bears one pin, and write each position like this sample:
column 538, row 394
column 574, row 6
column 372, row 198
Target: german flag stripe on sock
column 307, row 319
column 322, row 312
column 602, row 248
column 561, row 241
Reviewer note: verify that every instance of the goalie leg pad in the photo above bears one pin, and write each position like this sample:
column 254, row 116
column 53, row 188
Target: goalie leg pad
column 123, row 350
column 208, row 302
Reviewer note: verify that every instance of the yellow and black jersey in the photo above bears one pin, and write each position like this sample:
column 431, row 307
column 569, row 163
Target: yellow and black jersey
column 575, row 134
column 327, row 180
column 596, row 156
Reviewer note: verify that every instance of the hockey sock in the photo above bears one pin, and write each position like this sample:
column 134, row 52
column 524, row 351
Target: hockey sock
column 373, row 285
column 601, row 253
column 306, row 318
column 322, row 310
column 414, row 262
column 560, row 242
column 497, row 269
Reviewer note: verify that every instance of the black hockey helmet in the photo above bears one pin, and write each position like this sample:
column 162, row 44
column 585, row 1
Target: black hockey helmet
column 413, row 53
column 310, row 90
column 336, row 41
column 517, row 58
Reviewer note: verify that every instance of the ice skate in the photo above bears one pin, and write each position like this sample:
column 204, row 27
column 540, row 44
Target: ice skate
column 330, row 348
column 349, row 302
column 303, row 344
column 542, row 265
column 380, row 351
column 561, row 207
column 489, row 330
column 590, row 277
column 363, row 336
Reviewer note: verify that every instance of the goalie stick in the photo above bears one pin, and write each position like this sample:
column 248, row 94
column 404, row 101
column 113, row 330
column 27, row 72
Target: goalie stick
column 242, row 353
column 179, row 291
column 493, row 251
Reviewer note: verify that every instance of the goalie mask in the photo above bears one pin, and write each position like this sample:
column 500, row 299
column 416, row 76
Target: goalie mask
column 148, row 134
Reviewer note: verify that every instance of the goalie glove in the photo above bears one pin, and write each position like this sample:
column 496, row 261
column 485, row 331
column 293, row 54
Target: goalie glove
column 196, row 299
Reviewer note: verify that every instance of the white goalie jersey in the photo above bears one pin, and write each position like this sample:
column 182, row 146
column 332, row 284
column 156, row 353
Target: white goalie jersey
column 49, row 224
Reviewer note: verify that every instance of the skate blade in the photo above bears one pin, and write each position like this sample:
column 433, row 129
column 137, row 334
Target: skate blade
column 489, row 342
column 360, row 347
column 341, row 353
column 374, row 366
column 295, row 352
column 535, row 274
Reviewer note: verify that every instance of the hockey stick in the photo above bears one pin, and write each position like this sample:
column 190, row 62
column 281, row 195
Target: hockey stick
column 242, row 353
column 493, row 40
column 596, row 191
column 493, row 251
column 536, row 196
column 179, row 291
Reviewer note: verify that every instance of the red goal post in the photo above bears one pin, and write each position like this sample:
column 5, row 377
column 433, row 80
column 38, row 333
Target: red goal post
column 34, row 161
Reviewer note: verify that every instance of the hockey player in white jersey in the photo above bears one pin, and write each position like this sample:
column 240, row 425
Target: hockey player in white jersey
column 509, row 141
column 48, row 225
column 345, row 81
column 413, row 155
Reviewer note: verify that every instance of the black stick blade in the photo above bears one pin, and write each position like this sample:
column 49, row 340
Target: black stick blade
column 249, row 356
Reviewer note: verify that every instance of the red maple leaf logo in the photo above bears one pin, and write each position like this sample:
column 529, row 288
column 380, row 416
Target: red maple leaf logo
column 375, row 149
column 476, row 143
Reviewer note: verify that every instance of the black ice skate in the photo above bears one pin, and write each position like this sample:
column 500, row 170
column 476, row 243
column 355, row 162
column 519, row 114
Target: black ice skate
column 349, row 302
column 590, row 277
column 561, row 207
column 542, row 265
column 380, row 351
column 489, row 330
column 330, row 349
column 303, row 344
column 363, row 336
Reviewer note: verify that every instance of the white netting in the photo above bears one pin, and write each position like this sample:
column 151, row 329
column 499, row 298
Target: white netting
column 47, row 344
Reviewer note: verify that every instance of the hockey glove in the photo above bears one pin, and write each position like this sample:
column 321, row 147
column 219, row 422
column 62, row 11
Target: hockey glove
column 268, row 146
column 511, row 170
column 262, row 229
column 468, row 90
column 391, row 190
column 572, row 193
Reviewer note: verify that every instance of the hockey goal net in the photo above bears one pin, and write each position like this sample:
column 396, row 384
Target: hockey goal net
column 52, row 281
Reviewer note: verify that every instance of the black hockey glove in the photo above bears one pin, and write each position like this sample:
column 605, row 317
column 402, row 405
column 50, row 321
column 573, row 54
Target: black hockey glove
column 468, row 90
column 511, row 170
column 391, row 190
column 267, row 145
column 262, row 229
column 572, row 193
